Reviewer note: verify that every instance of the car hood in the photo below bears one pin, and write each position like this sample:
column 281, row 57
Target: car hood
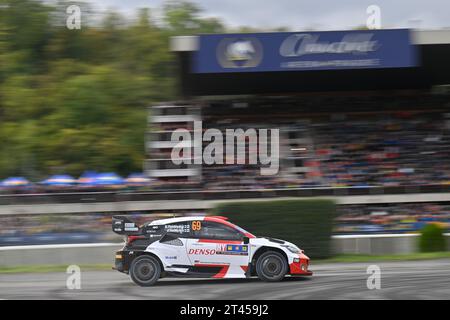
column 269, row 241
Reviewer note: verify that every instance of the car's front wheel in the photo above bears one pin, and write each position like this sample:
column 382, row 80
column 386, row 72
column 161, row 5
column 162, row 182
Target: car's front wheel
column 145, row 270
column 271, row 266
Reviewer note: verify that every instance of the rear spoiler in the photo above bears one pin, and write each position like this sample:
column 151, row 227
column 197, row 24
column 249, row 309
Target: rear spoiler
column 124, row 226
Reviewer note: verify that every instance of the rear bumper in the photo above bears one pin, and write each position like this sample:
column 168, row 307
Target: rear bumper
column 122, row 261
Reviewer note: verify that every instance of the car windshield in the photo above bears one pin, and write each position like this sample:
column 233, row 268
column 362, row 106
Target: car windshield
column 242, row 230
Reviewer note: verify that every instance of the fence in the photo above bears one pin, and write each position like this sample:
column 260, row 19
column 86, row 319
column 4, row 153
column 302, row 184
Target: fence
column 103, row 253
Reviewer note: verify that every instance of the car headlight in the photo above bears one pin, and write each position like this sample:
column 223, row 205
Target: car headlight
column 292, row 249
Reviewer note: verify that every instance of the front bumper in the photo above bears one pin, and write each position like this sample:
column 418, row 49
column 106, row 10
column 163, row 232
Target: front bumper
column 299, row 266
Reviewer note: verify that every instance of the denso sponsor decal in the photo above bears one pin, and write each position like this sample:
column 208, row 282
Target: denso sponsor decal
column 206, row 252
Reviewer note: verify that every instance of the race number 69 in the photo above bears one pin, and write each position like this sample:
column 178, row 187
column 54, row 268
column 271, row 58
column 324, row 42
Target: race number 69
column 196, row 225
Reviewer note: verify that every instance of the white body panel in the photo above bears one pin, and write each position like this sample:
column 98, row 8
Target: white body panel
column 170, row 254
column 232, row 256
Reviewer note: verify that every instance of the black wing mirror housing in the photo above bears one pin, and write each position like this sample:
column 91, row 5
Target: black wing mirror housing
column 246, row 240
column 168, row 237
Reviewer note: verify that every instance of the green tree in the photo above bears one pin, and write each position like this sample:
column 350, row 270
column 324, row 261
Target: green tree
column 183, row 18
column 75, row 100
column 432, row 238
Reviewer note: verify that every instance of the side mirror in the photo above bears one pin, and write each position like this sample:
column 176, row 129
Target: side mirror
column 246, row 240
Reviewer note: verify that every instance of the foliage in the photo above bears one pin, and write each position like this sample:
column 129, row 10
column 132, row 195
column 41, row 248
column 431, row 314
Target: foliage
column 432, row 239
column 73, row 100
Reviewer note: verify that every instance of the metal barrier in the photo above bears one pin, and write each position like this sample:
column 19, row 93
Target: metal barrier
column 103, row 253
column 120, row 196
column 177, row 204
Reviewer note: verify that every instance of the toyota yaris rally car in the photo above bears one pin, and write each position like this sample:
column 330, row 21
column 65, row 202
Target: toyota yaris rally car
column 202, row 247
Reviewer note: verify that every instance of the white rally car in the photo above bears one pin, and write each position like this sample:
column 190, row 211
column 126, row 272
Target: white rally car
column 207, row 246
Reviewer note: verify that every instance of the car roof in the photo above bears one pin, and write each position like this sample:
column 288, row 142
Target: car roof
column 174, row 220
column 218, row 219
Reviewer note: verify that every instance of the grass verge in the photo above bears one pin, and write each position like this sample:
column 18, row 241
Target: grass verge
column 346, row 258
column 52, row 268
column 354, row 258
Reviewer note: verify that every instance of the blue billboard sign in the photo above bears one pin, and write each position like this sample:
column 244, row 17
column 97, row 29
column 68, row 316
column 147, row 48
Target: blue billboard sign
column 297, row 51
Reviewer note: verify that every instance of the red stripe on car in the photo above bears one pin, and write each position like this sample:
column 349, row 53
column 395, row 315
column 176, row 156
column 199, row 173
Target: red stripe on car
column 222, row 272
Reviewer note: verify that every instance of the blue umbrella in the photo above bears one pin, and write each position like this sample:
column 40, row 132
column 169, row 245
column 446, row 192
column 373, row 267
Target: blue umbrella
column 108, row 179
column 15, row 182
column 87, row 179
column 60, row 180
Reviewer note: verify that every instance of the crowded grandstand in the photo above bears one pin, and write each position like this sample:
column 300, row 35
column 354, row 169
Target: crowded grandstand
column 407, row 143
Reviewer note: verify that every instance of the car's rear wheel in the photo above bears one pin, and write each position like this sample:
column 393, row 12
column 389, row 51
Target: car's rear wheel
column 145, row 270
column 271, row 266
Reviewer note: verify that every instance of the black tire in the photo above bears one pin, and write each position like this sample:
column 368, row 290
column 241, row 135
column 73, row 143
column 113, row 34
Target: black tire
column 271, row 266
column 145, row 270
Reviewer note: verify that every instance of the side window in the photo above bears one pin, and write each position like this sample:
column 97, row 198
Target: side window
column 180, row 228
column 214, row 230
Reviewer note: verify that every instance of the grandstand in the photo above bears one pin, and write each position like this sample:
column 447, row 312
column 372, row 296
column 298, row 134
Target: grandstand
column 359, row 146
column 339, row 127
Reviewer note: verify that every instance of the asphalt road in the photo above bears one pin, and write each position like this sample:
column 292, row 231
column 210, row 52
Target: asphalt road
column 399, row 280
